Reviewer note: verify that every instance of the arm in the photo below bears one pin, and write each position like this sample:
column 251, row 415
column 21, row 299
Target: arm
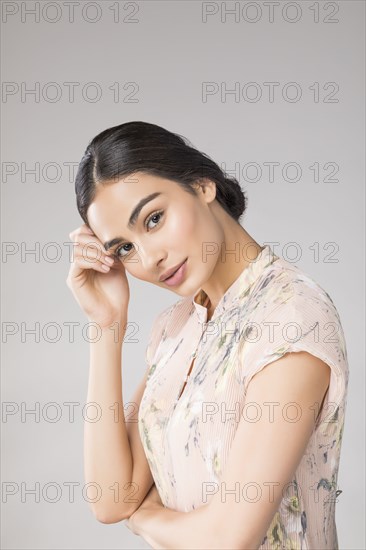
column 257, row 464
column 113, row 453
column 162, row 527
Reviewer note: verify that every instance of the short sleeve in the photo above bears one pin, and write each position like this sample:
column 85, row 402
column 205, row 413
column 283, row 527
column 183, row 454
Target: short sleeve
column 305, row 322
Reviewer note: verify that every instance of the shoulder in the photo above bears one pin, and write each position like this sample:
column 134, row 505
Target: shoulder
column 160, row 321
column 156, row 333
column 290, row 313
column 284, row 287
column 176, row 314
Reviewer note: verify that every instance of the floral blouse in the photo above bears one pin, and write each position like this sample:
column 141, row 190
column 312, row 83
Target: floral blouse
column 271, row 309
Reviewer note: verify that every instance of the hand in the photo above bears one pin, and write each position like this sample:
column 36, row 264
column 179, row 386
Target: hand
column 151, row 502
column 103, row 295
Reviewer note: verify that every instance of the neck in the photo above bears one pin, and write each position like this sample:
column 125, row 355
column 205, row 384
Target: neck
column 239, row 250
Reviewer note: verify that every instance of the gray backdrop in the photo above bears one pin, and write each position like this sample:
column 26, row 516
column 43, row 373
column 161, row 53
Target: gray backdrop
column 250, row 87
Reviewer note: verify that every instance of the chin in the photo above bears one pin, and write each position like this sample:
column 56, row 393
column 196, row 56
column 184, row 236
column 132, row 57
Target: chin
column 189, row 287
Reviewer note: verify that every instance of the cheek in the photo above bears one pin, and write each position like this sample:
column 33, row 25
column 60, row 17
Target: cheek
column 180, row 228
column 208, row 237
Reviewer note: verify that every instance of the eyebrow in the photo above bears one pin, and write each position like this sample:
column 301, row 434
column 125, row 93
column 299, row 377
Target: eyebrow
column 133, row 218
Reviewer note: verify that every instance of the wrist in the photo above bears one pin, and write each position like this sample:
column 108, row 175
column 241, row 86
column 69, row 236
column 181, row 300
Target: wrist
column 111, row 334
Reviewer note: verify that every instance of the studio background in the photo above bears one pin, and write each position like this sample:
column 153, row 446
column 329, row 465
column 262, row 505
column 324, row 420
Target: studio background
column 204, row 71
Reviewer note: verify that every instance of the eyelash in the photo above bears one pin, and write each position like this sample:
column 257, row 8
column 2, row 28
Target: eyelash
column 157, row 213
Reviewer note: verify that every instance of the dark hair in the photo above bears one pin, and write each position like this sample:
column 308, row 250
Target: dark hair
column 143, row 147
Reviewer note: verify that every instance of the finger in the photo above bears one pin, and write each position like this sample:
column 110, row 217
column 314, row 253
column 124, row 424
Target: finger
column 87, row 229
column 83, row 229
column 90, row 241
column 92, row 255
column 88, row 247
column 81, row 264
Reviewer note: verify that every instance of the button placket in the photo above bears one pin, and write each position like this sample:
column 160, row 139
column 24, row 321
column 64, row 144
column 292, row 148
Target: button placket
column 193, row 357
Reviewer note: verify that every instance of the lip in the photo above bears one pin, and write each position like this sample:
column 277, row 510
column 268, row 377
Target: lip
column 176, row 274
column 170, row 272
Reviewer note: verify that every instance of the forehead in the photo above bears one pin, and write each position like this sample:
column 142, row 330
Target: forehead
column 132, row 187
column 114, row 202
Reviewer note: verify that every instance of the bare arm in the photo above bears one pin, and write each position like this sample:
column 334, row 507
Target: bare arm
column 114, row 458
column 226, row 521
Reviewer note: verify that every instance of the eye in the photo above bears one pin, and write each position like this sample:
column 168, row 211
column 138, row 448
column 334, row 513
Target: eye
column 158, row 215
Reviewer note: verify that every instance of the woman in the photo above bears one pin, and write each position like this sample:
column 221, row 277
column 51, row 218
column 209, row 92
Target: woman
column 241, row 410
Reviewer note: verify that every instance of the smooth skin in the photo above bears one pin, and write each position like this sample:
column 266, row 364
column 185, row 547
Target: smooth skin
column 262, row 460
column 113, row 453
column 199, row 229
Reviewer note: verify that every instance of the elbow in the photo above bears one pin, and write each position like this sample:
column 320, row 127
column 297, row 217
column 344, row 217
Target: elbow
column 108, row 516
column 107, row 519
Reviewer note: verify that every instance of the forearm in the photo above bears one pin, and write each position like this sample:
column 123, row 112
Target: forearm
column 164, row 528
column 107, row 453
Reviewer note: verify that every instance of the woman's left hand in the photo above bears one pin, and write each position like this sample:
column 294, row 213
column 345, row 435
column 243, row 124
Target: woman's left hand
column 151, row 502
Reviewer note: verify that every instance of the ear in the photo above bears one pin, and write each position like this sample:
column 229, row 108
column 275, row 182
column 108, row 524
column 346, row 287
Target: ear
column 205, row 188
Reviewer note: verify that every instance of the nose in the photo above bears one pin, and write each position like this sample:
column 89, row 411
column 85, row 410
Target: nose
column 151, row 259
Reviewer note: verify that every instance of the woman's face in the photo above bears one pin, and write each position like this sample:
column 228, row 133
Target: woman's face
column 172, row 227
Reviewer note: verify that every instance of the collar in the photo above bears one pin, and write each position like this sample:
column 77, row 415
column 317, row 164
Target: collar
column 238, row 289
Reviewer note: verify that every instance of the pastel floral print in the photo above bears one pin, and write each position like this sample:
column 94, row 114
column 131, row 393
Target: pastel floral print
column 271, row 309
